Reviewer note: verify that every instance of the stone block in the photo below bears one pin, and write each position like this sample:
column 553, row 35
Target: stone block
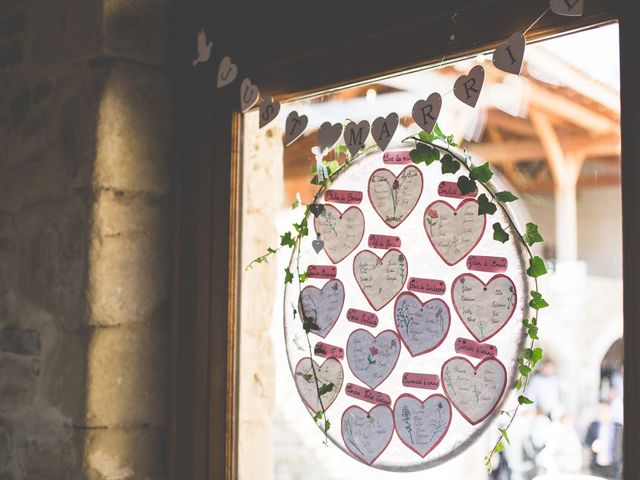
column 17, row 383
column 129, row 279
column 20, row 341
column 133, row 145
column 124, row 454
column 127, row 376
column 137, row 30
column 118, row 213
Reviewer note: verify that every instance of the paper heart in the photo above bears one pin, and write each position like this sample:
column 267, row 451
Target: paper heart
column 454, row 232
column 468, row 87
column 380, row 279
column 422, row 326
column 394, row 198
column 569, row 8
column 474, row 391
column 316, row 209
column 382, row 129
column 269, row 109
column 227, row 72
column 294, row 127
column 509, row 57
column 249, row 95
column 328, row 135
column 330, row 372
column 317, row 244
column 322, row 307
column 425, row 112
column 372, row 359
column 421, row 425
column 484, row 308
column 367, row 434
column 355, row 135
column 341, row 232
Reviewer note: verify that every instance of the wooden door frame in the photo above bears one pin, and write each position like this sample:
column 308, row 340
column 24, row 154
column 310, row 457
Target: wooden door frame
column 206, row 170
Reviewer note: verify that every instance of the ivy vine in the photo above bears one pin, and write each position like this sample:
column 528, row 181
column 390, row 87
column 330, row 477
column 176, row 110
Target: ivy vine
column 430, row 148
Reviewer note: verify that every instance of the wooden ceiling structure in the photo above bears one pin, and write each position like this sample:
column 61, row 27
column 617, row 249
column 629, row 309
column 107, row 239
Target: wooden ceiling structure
column 569, row 137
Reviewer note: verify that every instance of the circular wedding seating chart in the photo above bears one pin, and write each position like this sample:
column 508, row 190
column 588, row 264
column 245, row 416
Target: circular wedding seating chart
column 415, row 313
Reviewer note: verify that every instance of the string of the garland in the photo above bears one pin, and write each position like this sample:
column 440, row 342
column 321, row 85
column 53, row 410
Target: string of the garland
column 429, row 148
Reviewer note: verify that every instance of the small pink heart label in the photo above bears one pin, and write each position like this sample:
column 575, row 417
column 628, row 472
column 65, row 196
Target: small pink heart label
column 372, row 359
column 454, row 232
column 329, row 376
column 474, row 391
column 341, row 232
column 395, row 197
column 367, row 434
column 321, row 308
column 484, row 308
column 422, row 326
column 421, row 425
column 380, row 279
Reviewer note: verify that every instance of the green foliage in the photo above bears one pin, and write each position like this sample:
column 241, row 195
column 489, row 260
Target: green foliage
column 536, row 268
column 448, row 164
column 288, row 276
column 518, row 384
column 503, row 431
column 537, row 302
column 485, row 206
column 532, row 235
column 287, row 240
column 318, row 416
column 524, row 370
column 424, row 154
column 499, row 234
column 506, row 196
column 482, row 173
column 522, row 400
column 532, row 328
column 326, row 388
column 302, row 277
column 466, row 185
column 302, row 228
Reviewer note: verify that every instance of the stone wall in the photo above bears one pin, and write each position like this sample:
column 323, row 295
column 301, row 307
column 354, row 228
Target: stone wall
column 84, row 240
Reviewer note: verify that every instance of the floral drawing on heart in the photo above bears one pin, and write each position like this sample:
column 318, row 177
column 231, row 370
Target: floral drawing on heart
column 372, row 359
column 380, row 279
column 422, row 326
column 474, row 391
column 340, row 232
column 320, row 308
column 394, row 197
column 484, row 308
column 421, row 425
column 367, row 434
column 454, row 232
column 329, row 376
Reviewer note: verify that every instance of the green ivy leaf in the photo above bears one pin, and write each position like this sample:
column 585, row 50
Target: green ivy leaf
column 327, row 424
column 466, row 185
column 522, row 400
column 518, row 384
column 288, row 276
column 424, row 154
column 536, row 268
column 482, row 173
column 342, row 149
column 426, row 136
column 318, row 416
column 448, row 164
column 533, row 332
column 326, row 388
column 524, row 370
column 302, row 228
column 503, row 431
column 536, row 355
column 506, row 196
column 302, row 277
column 498, row 448
column 499, row 234
column 485, row 206
column 537, row 302
column 287, row 240
column 532, row 235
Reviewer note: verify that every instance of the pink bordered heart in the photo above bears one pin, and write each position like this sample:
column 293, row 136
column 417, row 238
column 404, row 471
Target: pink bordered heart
column 454, row 232
column 394, row 197
column 421, row 425
column 340, row 232
column 380, row 279
column 484, row 308
column 474, row 391
column 329, row 374
column 320, row 308
column 422, row 326
column 372, row 359
column 367, row 434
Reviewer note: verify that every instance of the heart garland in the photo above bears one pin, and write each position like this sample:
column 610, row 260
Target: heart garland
column 382, row 129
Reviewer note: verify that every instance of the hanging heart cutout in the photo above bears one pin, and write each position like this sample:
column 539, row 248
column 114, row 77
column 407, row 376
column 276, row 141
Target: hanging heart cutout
column 371, row 359
column 382, row 129
column 422, row 326
column 380, row 279
column 367, row 434
column 509, row 57
column 320, row 308
column 329, row 374
column 467, row 88
column 421, row 425
column 341, row 232
column 394, row 198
